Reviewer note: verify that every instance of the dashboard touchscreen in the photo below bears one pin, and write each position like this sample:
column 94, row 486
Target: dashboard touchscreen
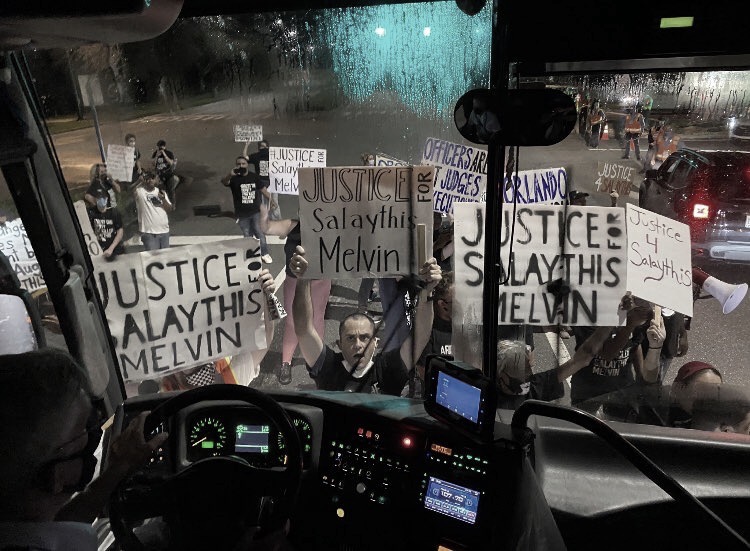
column 452, row 500
column 458, row 397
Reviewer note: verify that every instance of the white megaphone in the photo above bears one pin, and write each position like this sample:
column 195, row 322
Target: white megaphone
column 728, row 294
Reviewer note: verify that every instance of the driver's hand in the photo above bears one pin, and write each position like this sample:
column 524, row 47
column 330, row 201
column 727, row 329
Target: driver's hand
column 129, row 450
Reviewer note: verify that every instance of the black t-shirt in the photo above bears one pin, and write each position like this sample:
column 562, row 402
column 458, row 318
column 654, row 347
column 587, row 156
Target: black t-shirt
column 388, row 375
column 259, row 160
column 542, row 386
column 440, row 340
column 603, row 376
column 246, row 194
column 105, row 225
column 163, row 169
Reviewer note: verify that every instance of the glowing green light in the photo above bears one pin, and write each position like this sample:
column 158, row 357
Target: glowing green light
column 427, row 75
column 675, row 22
column 207, row 444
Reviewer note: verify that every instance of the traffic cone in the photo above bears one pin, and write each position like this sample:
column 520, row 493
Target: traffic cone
column 605, row 135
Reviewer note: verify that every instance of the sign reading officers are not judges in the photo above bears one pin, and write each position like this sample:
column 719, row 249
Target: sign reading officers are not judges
column 284, row 162
column 176, row 308
column 659, row 260
column 585, row 244
column 460, row 172
column 244, row 133
column 362, row 221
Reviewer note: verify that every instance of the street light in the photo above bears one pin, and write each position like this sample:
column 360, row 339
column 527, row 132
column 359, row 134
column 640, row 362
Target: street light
column 427, row 31
column 380, row 31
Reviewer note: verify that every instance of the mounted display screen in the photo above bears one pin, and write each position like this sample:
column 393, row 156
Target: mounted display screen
column 252, row 438
column 452, row 500
column 459, row 397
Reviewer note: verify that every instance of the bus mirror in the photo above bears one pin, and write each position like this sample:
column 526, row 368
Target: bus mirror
column 16, row 329
column 526, row 117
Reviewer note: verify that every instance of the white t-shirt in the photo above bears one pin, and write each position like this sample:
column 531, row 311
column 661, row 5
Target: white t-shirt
column 151, row 218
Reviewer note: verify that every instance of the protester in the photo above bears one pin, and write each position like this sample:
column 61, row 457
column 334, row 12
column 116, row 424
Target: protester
column 247, row 190
column 634, row 126
column 152, row 206
column 137, row 168
column 358, row 367
column 320, row 291
column 443, row 246
column 621, row 361
column 595, row 127
column 577, row 198
column 259, row 161
column 164, row 163
column 46, row 406
column 107, row 225
column 694, row 380
column 101, row 183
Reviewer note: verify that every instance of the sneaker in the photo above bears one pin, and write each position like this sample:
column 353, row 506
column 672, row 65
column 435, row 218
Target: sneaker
column 266, row 259
column 284, row 375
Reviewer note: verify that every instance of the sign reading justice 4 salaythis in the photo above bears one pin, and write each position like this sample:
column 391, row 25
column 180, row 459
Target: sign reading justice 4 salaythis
column 176, row 308
column 362, row 221
column 586, row 246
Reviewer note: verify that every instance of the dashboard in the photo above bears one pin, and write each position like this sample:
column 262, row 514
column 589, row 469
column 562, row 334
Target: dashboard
column 381, row 473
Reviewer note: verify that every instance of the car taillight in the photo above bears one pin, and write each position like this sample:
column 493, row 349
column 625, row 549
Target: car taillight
column 701, row 211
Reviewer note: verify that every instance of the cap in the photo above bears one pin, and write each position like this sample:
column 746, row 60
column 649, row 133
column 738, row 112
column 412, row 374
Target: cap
column 691, row 368
column 576, row 195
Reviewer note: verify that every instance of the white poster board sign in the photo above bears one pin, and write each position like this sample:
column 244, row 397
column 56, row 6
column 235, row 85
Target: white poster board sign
column 362, row 221
column 547, row 186
column 593, row 260
column 248, row 133
column 460, row 172
column 381, row 159
column 615, row 177
column 89, row 235
column 176, row 308
column 659, row 260
column 283, row 164
column 120, row 162
column 15, row 245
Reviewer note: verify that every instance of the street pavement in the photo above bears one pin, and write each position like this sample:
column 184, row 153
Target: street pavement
column 202, row 141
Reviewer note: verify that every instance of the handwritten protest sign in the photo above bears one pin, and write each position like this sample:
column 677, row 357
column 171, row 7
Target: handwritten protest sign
column 381, row 159
column 248, row 133
column 659, row 260
column 15, row 245
column 547, row 186
column 362, row 221
column 89, row 235
column 176, row 308
column 120, row 161
column 615, row 177
column 284, row 163
column 460, row 172
column 586, row 245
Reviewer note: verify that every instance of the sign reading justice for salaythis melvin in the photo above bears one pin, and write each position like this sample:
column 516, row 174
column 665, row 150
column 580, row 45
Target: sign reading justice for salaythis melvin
column 362, row 221
column 176, row 308
column 584, row 245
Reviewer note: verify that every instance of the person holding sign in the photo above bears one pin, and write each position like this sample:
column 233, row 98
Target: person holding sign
column 246, row 193
column 359, row 367
column 164, row 163
column 107, row 225
column 152, row 205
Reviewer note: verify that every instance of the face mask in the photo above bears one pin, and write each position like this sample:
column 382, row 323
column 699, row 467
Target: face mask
column 88, row 459
column 101, row 202
column 370, row 162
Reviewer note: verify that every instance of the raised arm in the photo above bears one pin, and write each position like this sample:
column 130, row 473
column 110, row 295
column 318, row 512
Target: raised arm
column 269, row 287
column 656, row 334
column 279, row 228
column 310, row 343
column 585, row 353
column 412, row 348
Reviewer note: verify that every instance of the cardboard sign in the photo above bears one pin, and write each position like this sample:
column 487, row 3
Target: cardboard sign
column 284, row 163
column 120, row 162
column 586, row 246
column 381, row 159
column 615, row 177
column 15, row 245
column 89, row 236
column 362, row 221
column 659, row 260
column 460, row 172
column 248, row 133
column 175, row 308
column 542, row 186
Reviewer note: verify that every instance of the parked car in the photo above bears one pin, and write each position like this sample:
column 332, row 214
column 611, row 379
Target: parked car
column 739, row 130
column 708, row 191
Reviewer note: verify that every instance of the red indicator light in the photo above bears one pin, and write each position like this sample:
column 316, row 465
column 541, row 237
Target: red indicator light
column 368, row 434
column 406, row 442
column 360, row 431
